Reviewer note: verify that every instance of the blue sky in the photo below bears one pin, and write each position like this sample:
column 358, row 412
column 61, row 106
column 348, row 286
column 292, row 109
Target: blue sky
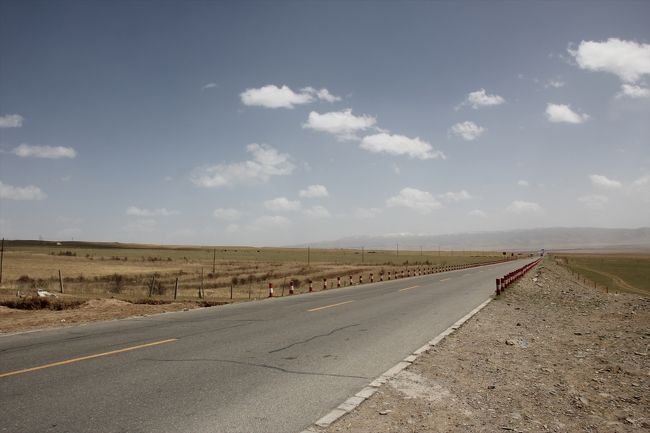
column 276, row 123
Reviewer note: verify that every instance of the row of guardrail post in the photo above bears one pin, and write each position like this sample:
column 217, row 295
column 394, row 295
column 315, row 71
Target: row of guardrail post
column 509, row 278
column 396, row 275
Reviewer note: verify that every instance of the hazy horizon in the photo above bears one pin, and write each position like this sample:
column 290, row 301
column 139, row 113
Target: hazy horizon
column 285, row 123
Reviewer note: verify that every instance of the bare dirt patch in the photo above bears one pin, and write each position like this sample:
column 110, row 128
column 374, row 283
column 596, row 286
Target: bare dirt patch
column 550, row 355
column 15, row 320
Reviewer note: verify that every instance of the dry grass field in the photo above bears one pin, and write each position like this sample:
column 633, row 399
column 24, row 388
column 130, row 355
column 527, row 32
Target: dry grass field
column 623, row 272
column 126, row 271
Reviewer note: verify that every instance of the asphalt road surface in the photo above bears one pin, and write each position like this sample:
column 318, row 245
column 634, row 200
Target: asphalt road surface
column 270, row 366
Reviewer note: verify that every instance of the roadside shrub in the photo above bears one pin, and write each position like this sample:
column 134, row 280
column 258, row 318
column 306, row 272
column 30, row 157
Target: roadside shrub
column 117, row 283
column 36, row 303
column 158, row 288
column 24, row 279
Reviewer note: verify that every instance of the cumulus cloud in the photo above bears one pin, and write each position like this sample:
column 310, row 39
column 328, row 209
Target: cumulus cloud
column 412, row 198
column 467, row 130
column 400, row 145
column 282, row 204
column 523, row 207
column 11, row 121
column 266, row 162
column 314, row 191
column 140, row 212
column 50, row 152
column 272, row 96
column 455, row 196
column 599, row 180
column 480, row 98
column 523, row 183
column 594, row 201
column 343, row 124
column 633, row 91
column 30, row 192
column 317, row 212
column 366, row 213
column 642, row 181
column 554, row 83
column 227, row 214
column 629, row 60
column 561, row 113
column 270, row 221
column 477, row 213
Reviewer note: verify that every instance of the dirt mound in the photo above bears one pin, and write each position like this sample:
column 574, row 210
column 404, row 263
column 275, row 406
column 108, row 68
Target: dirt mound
column 100, row 304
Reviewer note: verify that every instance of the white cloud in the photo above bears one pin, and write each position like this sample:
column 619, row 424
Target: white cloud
column 605, row 182
column 467, row 130
column 594, row 201
column 141, row 225
column 227, row 214
column 481, row 98
column 412, row 198
column 400, row 145
column 136, row 211
column 523, row 183
column 628, row 60
column 477, row 213
column 11, row 121
column 642, row 181
column 522, row 207
column 209, row 86
column 50, row 152
column 314, row 191
column 633, row 91
column 266, row 162
column 282, row 204
column 554, row 83
column 270, row 221
column 343, row 123
column 455, row 196
column 31, row 192
column 272, row 96
column 317, row 212
column 563, row 113
column 366, row 213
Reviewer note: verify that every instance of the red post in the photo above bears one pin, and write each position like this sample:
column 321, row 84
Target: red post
column 388, row 275
column 291, row 287
column 351, row 280
column 324, row 283
column 270, row 290
column 311, row 286
column 338, row 281
column 498, row 287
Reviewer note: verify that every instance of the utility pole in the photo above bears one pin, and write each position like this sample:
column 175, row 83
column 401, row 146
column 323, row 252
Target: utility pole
column 214, row 261
column 2, row 253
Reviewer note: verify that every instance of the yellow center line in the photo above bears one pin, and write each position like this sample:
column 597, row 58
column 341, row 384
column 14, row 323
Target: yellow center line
column 407, row 288
column 84, row 358
column 445, row 279
column 329, row 306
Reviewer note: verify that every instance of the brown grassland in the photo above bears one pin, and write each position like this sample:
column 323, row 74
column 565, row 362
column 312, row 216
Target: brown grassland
column 126, row 271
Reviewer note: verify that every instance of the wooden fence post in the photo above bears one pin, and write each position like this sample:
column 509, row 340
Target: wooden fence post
column 2, row 254
column 60, row 281
column 231, row 291
column 153, row 281
column 201, row 294
column 176, row 288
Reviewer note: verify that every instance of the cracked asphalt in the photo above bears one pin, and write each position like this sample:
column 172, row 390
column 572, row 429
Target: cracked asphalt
column 267, row 366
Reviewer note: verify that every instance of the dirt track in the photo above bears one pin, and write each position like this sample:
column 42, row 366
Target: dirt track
column 550, row 355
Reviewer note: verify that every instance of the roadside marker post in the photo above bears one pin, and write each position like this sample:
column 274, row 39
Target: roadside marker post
column 351, row 283
column 388, row 275
column 291, row 287
column 270, row 290
column 324, row 283
column 381, row 277
column 360, row 279
column 498, row 287
column 372, row 279
column 338, row 281
column 311, row 286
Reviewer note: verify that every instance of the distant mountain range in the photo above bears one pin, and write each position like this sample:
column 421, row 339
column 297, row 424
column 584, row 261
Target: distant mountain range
column 556, row 238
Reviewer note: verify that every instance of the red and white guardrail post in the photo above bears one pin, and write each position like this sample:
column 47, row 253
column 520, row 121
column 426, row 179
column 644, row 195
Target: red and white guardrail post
column 270, row 290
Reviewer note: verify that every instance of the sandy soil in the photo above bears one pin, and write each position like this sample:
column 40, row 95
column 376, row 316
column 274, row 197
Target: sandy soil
column 13, row 320
column 550, row 355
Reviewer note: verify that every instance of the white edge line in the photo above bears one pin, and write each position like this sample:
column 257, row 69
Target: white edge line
column 353, row 402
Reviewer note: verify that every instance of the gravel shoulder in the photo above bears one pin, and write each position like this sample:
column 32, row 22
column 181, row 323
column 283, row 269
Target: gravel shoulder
column 548, row 355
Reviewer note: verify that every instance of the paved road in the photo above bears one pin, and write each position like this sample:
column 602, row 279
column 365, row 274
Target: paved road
column 270, row 366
